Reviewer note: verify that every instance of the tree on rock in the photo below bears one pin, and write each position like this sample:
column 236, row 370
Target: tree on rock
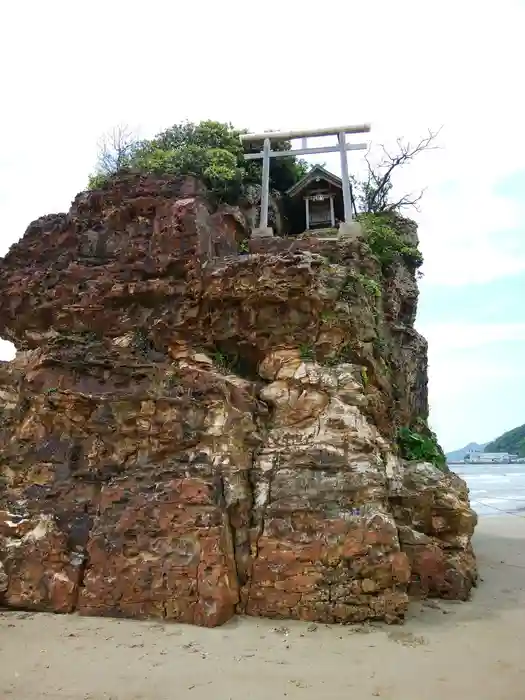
column 374, row 191
column 115, row 152
column 209, row 150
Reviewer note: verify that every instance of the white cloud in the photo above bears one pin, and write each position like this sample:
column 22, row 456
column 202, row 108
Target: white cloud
column 7, row 350
column 476, row 380
column 468, row 355
column 444, row 337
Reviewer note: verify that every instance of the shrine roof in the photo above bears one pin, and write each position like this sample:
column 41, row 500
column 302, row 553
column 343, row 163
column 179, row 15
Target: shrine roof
column 316, row 173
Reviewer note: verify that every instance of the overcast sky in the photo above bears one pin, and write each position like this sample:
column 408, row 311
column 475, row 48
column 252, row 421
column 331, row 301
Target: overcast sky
column 71, row 71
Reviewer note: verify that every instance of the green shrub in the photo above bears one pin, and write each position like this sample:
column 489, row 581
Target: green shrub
column 142, row 342
column 216, row 167
column 386, row 243
column 96, row 181
column 371, row 286
column 420, row 447
column 349, row 293
column 307, row 352
column 211, row 151
column 222, row 360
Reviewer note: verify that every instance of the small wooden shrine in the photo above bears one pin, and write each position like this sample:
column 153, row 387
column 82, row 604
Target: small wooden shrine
column 322, row 194
column 321, row 190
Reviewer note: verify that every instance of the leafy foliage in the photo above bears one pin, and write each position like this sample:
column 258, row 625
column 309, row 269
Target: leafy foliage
column 222, row 361
column 97, row 180
column 307, row 352
column 513, row 441
column 141, row 342
column 370, row 285
column 386, row 243
column 350, row 291
column 230, row 361
column 211, row 151
column 421, row 446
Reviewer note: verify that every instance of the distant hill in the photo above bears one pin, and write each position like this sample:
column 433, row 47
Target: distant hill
column 512, row 441
column 458, row 455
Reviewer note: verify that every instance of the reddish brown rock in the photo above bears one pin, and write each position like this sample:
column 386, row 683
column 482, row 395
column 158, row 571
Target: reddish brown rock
column 436, row 524
column 187, row 431
column 42, row 572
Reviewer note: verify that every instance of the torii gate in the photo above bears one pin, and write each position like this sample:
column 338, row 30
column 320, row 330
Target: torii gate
column 348, row 227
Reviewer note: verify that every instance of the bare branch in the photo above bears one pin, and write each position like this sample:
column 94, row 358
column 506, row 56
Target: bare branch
column 115, row 149
column 374, row 190
column 407, row 201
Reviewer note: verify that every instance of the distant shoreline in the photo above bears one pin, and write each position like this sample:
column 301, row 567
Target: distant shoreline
column 480, row 464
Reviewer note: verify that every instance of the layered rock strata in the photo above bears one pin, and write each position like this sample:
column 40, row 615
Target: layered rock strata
column 197, row 424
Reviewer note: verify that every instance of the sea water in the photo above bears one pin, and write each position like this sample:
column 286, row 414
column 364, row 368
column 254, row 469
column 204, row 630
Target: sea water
column 495, row 489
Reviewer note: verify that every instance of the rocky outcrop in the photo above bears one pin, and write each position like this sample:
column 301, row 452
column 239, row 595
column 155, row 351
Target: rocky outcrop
column 189, row 431
column 251, row 208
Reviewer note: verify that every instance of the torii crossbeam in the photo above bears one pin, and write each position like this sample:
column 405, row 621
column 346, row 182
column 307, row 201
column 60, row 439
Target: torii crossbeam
column 346, row 228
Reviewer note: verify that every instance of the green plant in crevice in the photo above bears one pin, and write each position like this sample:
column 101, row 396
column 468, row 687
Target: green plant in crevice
column 350, row 289
column 414, row 445
column 371, row 286
column 345, row 353
column 172, row 379
column 97, row 181
column 244, row 246
column 380, row 345
column 328, row 316
column 307, row 352
column 90, row 336
column 386, row 243
column 141, row 342
column 231, row 360
column 51, row 393
column 221, row 360
column 347, row 292
column 331, row 360
column 364, row 376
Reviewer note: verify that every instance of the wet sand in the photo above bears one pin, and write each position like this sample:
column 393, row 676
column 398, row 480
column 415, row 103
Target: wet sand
column 445, row 650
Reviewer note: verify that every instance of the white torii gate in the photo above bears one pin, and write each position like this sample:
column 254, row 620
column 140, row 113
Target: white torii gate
column 348, row 227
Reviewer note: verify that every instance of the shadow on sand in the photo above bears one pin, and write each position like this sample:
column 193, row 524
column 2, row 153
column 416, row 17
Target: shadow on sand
column 499, row 544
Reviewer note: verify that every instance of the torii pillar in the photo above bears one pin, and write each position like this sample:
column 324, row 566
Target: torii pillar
column 348, row 227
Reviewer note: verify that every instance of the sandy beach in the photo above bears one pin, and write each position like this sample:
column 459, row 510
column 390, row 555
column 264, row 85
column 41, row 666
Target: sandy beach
column 455, row 650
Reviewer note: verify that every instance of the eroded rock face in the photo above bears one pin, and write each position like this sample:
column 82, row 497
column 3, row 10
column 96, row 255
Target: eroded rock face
column 188, row 432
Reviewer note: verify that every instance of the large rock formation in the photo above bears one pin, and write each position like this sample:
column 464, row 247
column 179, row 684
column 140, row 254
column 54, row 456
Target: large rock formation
column 188, row 431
